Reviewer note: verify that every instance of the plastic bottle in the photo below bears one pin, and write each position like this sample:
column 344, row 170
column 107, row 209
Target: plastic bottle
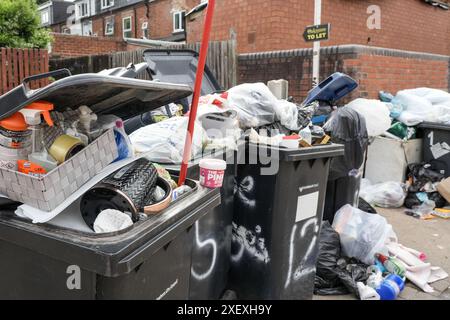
column 392, row 265
column 39, row 156
column 87, row 124
column 391, row 287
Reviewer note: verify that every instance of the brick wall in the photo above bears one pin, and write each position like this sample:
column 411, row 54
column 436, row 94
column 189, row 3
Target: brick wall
column 159, row 16
column 375, row 69
column 262, row 25
column 76, row 46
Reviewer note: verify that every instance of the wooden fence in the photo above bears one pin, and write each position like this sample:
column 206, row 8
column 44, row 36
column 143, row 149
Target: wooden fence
column 222, row 60
column 17, row 64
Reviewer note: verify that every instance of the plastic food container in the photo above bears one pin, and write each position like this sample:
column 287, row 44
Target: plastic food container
column 212, row 172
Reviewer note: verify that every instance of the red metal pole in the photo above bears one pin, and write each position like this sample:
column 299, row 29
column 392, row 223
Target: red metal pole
column 197, row 91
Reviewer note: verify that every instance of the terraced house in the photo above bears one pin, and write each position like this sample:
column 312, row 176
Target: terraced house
column 118, row 19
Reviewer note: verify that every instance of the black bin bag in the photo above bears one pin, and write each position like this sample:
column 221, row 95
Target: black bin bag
column 336, row 275
column 347, row 127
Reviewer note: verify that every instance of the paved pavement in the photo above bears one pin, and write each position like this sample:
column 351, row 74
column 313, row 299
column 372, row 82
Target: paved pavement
column 431, row 237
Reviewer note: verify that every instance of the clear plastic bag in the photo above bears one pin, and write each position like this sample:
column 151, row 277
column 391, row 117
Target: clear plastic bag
column 257, row 106
column 376, row 113
column 424, row 104
column 384, row 195
column 362, row 234
column 163, row 142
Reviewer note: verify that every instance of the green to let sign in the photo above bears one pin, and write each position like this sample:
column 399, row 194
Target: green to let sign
column 317, row 33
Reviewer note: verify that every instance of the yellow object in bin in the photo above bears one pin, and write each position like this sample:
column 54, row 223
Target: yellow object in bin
column 65, row 147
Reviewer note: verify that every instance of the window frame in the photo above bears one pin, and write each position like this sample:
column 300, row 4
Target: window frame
column 110, row 22
column 80, row 10
column 127, row 30
column 106, row 6
column 180, row 14
column 47, row 14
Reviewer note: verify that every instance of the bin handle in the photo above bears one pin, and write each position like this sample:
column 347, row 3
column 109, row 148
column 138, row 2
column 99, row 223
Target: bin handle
column 320, row 154
column 60, row 72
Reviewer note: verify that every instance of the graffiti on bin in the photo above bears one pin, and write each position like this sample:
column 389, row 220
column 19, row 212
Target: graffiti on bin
column 250, row 242
column 244, row 189
column 202, row 244
column 302, row 269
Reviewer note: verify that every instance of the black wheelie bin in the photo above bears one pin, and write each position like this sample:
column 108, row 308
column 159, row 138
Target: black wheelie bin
column 436, row 150
column 63, row 259
column 279, row 204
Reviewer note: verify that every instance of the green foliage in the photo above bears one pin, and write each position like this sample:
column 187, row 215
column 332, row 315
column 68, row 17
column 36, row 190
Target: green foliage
column 20, row 25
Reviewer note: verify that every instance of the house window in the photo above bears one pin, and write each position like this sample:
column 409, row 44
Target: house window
column 145, row 30
column 127, row 27
column 178, row 21
column 107, row 3
column 45, row 17
column 83, row 10
column 109, row 28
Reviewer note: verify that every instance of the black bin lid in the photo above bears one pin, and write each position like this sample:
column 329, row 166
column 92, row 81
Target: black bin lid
column 104, row 94
column 179, row 66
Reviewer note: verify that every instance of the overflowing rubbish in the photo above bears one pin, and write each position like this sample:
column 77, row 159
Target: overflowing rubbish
column 423, row 105
column 362, row 234
column 388, row 264
column 376, row 114
column 423, row 195
column 163, row 142
column 257, row 106
column 384, row 195
column 423, row 211
column 418, row 272
column 114, row 180
column 336, row 275
column 37, row 215
column 130, row 189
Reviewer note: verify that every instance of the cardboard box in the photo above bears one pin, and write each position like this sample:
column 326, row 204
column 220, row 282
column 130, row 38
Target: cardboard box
column 388, row 159
column 444, row 189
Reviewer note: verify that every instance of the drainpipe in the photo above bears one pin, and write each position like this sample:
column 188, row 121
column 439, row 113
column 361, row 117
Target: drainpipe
column 135, row 23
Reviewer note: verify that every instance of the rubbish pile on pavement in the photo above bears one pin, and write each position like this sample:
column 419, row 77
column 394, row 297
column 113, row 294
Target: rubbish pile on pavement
column 361, row 255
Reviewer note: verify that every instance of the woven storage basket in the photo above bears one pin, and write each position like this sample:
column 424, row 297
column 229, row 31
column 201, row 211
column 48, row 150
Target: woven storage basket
column 48, row 192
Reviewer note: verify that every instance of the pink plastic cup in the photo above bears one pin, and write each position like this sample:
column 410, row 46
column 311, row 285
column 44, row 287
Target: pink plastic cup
column 212, row 172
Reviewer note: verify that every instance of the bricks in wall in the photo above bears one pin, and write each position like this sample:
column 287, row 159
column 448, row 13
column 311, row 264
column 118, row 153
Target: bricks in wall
column 76, row 46
column 375, row 70
column 262, row 25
